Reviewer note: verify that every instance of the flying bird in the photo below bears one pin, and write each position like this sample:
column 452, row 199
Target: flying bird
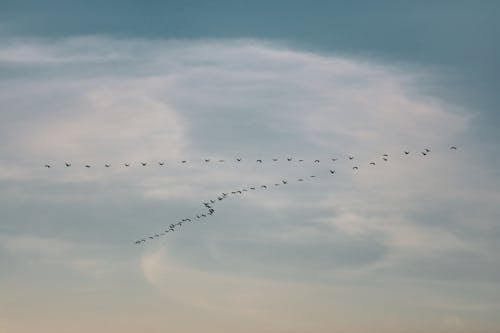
column 301, row 160
column 284, row 182
column 107, row 165
column 68, row 164
column 300, row 179
column 334, row 159
column 289, row 159
column 252, row 188
column 406, row 152
column 385, row 155
column 384, row 158
column 183, row 161
column 127, row 165
column 144, row 163
column 372, row 163
column 207, row 160
column 351, row 157
column 161, row 163
column 427, row 150
column 275, row 159
column 238, row 159
column 355, row 168
column 316, row 161
column 263, row 186
column 47, row 166
column 424, row 153
column 259, row 161
column 87, row 166
column 453, row 147
column 332, row 171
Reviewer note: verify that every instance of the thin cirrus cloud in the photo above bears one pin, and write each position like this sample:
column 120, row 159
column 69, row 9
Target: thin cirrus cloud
column 98, row 100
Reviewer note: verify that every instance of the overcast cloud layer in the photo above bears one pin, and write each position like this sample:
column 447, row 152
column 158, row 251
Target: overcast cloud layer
column 407, row 245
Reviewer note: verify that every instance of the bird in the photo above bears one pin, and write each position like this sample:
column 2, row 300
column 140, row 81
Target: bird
column 259, row 161
column 244, row 190
column 275, row 159
column 144, row 163
column 161, row 163
column 138, row 242
column 406, row 152
column 238, row 159
column 351, row 157
column 453, row 147
column 151, row 237
column 127, row 165
column 384, row 158
column 47, row 166
column 300, row 179
column 427, row 150
column 316, row 161
column 184, row 161
column 289, row 159
column 252, row 188
column 355, row 168
column 424, row 153
column 334, row 159
column 332, row 171
column 372, row 163
column 207, row 160
column 301, row 160
column 222, row 161
column 263, row 186
column 239, row 192
column 87, row 166
column 276, row 184
column 203, row 215
column 284, row 182
column 107, row 165
column 385, row 155
column 68, row 164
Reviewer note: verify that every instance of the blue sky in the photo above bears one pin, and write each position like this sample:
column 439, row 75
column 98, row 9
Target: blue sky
column 405, row 245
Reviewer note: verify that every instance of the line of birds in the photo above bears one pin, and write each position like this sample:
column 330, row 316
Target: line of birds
column 385, row 157
column 209, row 205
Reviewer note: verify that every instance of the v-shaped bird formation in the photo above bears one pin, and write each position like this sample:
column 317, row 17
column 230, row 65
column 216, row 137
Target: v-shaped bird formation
column 209, row 205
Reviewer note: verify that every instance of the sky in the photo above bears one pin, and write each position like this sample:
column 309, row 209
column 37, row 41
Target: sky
column 405, row 245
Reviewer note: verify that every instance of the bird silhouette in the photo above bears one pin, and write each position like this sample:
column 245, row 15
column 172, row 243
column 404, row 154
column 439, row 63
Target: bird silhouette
column 259, row 161
column 238, row 159
column 334, row 159
column 252, row 188
column 351, row 157
column 107, row 165
column 284, row 182
column 127, row 165
column 184, row 161
column 300, row 179
column 144, row 163
column 427, row 150
column 207, row 160
column 332, row 171
column 385, row 155
column 87, row 166
column 424, row 153
column 289, row 159
column 161, row 163
column 355, row 168
column 372, row 163
column 68, row 164
column 316, row 161
column 453, row 147
column 263, row 186
column 275, row 159
column 384, row 158
column 301, row 160
column 406, row 152
column 312, row 176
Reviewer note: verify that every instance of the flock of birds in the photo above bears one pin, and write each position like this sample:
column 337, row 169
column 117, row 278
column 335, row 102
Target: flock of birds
column 210, row 204
column 385, row 157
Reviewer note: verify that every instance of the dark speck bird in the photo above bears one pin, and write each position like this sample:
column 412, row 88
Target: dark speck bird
column 289, row 159
column 355, row 168
column 263, row 186
column 107, row 165
column 316, row 161
column 284, row 182
column 385, row 155
column 424, row 153
column 427, row 150
column 275, row 159
column 238, row 159
column 301, row 160
column 300, row 180
column 67, row 164
column 87, row 166
column 259, row 161
column 406, row 152
column 144, row 163
column 334, row 159
column 384, row 158
column 207, row 160
column 332, row 171
column 351, row 157
column 372, row 163
column 453, row 147
column 184, row 161
column 127, row 165
column 161, row 163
